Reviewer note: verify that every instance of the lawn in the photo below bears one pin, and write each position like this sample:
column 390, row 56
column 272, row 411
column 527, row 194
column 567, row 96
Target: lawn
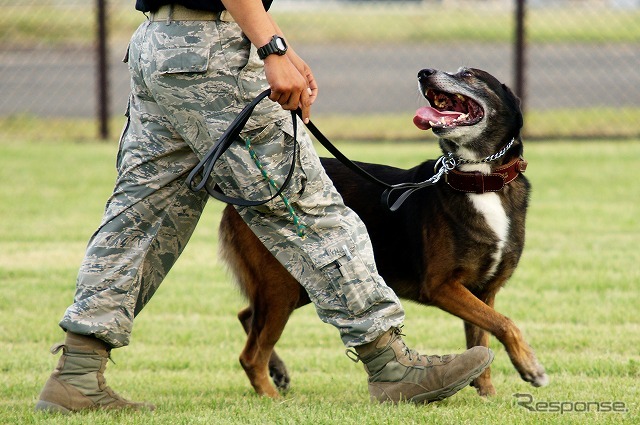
column 575, row 296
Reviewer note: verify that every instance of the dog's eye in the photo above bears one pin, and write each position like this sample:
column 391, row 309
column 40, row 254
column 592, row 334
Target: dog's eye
column 466, row 73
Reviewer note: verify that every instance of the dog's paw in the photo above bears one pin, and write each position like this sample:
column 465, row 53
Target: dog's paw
column 483, row 385
column 279, row 376
column 280, row 380
column 537, row 377
column 485, row 390
column 540, row 380
column 529, row 367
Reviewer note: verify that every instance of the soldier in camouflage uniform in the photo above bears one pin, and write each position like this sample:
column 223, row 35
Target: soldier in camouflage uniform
column 191, row 73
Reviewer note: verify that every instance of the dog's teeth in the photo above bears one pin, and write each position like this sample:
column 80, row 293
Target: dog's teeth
column 459, row 96
column 443, row 121
column 433, row 123
column 462, row 117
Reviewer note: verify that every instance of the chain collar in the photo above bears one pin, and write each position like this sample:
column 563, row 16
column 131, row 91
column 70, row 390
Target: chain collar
column 489, row 158
column 444, row 165
column 449, row 161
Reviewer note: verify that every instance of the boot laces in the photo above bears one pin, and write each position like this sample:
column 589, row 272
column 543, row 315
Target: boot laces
column 406, row 350
column 102, row 382
column 413, row 353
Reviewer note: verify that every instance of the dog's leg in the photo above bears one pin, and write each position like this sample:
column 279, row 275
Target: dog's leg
column 265, row 328
column 454, row 298
column 277, row 368
column 272, row 293
column 477, row 336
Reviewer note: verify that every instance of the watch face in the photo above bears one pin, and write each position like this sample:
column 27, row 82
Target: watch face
column 280, row 43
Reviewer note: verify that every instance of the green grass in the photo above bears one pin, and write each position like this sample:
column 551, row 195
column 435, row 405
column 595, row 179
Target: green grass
column 59, row 24
column 575, row 296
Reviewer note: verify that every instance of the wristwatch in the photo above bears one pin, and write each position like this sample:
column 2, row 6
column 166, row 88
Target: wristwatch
column 277, row 45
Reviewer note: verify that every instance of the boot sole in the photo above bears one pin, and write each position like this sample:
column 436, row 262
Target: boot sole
column 442, row 393
column 48, row 407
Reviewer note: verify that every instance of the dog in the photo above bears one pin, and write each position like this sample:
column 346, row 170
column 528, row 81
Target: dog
column 452, row 245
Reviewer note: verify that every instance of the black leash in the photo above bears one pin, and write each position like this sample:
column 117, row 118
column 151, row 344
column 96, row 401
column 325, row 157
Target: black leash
column 206, row 165
column 406, row 188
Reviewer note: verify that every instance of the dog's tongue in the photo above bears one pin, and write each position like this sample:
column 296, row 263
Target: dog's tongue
column 427, row 113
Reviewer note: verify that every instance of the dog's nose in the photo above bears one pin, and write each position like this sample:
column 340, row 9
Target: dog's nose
column 426, row 72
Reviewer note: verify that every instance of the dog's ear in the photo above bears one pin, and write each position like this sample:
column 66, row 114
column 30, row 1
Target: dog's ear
column 514, row 104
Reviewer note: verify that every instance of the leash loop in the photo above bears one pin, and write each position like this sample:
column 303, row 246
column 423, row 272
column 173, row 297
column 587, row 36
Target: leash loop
column 205, row 167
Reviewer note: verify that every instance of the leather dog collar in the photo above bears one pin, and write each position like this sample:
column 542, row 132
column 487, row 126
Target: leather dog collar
column 476, row 182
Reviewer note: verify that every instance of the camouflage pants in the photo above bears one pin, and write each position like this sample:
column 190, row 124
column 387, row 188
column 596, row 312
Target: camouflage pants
column 189, row 79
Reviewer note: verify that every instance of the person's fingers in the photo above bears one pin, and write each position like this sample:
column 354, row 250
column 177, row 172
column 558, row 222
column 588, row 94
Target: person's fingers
column 291, row 103
column 305, row 105
column 313, row 88
column 280, row 96
column 288, row 99
column 275, row 95
column 290, row 87
column 313, row 94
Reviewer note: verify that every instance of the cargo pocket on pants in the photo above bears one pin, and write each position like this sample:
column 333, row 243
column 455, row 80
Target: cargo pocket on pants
column 348, row 275
column 183, row 60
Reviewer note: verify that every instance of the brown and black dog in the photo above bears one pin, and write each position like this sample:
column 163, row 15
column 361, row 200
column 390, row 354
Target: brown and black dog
column 452, row 245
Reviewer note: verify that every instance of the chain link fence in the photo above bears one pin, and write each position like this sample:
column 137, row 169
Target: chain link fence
column 581, row 62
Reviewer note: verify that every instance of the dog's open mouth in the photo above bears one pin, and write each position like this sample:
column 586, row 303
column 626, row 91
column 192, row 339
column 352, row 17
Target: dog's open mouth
column 447, row 110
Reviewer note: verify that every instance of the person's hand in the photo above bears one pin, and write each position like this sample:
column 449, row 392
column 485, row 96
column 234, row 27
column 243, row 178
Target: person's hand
column 305, row 70
column 289, row 86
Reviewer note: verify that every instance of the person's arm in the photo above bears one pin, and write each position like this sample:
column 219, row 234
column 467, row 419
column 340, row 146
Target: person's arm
column 289, row 87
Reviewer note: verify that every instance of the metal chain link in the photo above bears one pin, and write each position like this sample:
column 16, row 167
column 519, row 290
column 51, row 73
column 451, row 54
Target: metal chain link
column 490, row 158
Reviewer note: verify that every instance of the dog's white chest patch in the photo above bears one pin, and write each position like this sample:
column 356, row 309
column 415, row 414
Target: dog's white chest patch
column 490, row 207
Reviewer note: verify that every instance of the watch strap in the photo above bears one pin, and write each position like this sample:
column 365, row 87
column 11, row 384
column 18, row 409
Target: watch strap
column 272, row 47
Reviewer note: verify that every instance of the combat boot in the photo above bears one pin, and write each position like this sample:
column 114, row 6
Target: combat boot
column 78, row 382
column 397, row 373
